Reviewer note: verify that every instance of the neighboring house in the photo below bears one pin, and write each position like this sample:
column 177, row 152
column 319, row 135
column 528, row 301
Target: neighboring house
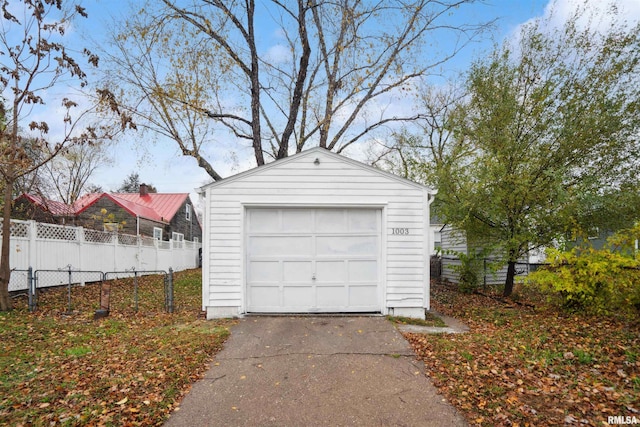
column 37, row 208
column 597, row 239
column 163, row 216
column 436, row 224
column 455, row 241
column 316, row 232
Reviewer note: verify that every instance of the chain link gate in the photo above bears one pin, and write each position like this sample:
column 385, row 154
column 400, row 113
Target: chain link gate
column 66, row 276
column 111, row 276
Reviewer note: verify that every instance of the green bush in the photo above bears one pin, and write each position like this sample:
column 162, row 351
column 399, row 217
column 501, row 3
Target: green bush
column 598, row 281
column 469, row 271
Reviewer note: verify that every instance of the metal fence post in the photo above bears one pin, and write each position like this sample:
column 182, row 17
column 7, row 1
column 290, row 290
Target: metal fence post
column 69, row 292
column 105, row 299
column 484, row 273
column 31, row 285
column 135, row 288
column 169, row 292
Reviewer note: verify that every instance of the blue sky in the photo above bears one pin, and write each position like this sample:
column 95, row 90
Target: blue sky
column 163, row 166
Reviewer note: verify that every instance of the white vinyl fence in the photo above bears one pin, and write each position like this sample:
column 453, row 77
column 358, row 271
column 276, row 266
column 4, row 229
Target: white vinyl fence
column 51, row 247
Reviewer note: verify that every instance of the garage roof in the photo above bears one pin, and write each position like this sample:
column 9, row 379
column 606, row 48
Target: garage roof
column 311, row 152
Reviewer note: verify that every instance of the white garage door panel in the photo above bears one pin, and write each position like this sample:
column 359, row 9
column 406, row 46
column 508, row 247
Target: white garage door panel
column 264, row 220
column 265, row 271
column 330, row 221
column 362, row 295
column 284, row 245
column 313, row 260
column 346, row 245
column 332, row 296
column 330, row 272
column 363, row 221
column 363, row 271
column 297, row 271
column 295, row 220
column 267, row 296
column 298, row 297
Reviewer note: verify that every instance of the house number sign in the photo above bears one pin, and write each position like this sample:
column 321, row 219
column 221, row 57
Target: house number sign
column 400, row 231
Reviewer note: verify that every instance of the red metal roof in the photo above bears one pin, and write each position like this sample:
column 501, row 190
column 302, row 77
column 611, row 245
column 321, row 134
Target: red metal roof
column 155, row 206
column 163, row 205
column 56, row 208
column 85, row 201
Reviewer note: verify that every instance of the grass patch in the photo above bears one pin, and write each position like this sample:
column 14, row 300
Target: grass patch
column 77, row 351
column 128, row 369
column 430, row 320
column 583, row 357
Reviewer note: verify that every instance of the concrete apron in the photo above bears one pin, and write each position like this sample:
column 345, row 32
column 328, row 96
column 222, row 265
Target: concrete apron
column 315, row 371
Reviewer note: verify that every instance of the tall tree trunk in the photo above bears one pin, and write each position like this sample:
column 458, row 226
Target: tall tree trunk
column 5, row 267
column 296, row 100
column 254, row 78
column 511, row 274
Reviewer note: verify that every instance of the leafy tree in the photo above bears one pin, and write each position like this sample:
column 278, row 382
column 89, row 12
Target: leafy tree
column 547, row 134
column 187, row 70
column 34, row 62
column 131, row 184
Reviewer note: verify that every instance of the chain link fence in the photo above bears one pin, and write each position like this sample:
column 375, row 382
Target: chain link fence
column 124, row 289
column 73, row 291
column 490, row 271
column 73, row 280
column 19, row 280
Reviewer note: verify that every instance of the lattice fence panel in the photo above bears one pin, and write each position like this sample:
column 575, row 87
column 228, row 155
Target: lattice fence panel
column 56, row 232
column 148, row 241
column 18, row 228
column 96, row 236
column 127, row 239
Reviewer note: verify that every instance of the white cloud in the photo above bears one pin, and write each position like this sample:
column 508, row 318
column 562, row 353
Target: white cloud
column 599, row 15
column 603, row 9
column 278, row 54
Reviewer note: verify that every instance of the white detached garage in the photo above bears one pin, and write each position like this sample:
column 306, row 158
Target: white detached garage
column 316, row 233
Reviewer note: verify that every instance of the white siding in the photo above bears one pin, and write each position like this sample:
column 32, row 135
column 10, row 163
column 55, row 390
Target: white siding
column 335, row 182
column 455, row 241
column 452, row 241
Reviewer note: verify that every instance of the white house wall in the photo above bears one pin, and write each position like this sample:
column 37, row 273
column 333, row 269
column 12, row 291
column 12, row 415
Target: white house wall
column 452, row 241
column 334, row 182
column 455, row 241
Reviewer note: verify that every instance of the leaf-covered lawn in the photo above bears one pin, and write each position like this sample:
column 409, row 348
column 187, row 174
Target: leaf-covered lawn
column 128, row 369
column 532, row 366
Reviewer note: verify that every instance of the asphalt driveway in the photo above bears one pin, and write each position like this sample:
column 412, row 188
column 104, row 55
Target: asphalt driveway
column 315, row 371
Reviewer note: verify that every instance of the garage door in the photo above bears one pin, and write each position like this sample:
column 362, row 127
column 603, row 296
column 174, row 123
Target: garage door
column 313, row 260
